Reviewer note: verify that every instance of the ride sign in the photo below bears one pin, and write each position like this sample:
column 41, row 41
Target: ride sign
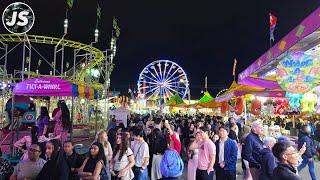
column 44, row 86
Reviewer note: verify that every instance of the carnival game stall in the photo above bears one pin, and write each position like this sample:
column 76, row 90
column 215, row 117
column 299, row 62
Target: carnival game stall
column 292, row 65
column 254, row 102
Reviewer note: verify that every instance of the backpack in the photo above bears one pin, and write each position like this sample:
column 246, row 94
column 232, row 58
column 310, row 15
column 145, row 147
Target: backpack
column 105, row 174
column 171, row 164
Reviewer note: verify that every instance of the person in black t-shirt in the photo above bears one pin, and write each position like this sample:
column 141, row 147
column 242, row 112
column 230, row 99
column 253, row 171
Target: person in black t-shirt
column 73, row 159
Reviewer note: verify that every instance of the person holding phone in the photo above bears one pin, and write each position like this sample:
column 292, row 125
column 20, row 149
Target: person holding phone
column 305, row 140
column 174, row 137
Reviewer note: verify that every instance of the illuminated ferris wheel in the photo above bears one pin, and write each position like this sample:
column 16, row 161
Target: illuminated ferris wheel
column 162, row 79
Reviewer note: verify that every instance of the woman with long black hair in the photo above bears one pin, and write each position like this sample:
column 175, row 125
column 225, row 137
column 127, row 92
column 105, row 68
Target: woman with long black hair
column 24, row 143
column 93, row 166
column 56, row 167
column 122, row 159
column 62, row 123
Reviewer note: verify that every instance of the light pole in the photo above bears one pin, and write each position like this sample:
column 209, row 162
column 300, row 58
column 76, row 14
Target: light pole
column 56, row 50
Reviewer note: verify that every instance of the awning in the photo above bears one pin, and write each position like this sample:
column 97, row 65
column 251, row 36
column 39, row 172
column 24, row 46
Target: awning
column 175, row 100
column 240, row 90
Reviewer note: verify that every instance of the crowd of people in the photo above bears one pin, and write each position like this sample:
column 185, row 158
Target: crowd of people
column 161, row 147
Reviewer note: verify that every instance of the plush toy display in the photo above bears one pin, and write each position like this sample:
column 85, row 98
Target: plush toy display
column 308, row 102
column 224, row 107
column 280, row 105
column 239, row 107
column 294, row 99
column 256, row 107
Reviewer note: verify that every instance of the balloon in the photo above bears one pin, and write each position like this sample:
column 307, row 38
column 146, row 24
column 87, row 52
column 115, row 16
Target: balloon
column 239, row 107
column 308, row 102
column 256, row 107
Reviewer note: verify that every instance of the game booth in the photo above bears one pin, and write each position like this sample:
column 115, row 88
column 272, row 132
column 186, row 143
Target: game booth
column 291, row 66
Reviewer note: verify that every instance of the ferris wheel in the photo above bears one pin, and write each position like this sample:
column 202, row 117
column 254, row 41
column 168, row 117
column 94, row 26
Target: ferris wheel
column 162, row 79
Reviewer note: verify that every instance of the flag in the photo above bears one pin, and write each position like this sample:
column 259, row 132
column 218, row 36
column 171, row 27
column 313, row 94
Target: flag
column 116, row 27
column 98, row 11
column 273, row 23
column 70, row 3
column 234, row 67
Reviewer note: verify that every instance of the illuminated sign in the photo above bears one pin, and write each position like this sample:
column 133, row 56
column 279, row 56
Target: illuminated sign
column 298, row 72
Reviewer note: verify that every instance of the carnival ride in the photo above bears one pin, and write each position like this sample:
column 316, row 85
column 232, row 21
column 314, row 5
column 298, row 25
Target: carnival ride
column 162, row 79
column 87, row 76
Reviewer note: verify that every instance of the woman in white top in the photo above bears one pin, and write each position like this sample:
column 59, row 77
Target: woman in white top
column 102, row 138
column 122, row 159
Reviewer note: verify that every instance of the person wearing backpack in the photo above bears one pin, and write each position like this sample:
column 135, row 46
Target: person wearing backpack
column 157, row 147
column 171, row 165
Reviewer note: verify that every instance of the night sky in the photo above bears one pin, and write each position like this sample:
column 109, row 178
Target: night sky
column 203, row 37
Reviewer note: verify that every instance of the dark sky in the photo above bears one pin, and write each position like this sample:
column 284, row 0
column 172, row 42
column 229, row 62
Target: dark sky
column 203, row 36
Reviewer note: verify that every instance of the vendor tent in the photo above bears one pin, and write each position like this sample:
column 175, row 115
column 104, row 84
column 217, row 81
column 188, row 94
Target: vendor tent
column 206, row 97
column 240, row 90
column 175, row 100
column 207, row 101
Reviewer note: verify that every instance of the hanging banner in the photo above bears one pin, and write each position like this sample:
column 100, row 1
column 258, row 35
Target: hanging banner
column 298, row 72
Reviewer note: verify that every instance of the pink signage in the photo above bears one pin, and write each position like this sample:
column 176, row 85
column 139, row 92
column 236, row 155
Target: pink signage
column 44, row 86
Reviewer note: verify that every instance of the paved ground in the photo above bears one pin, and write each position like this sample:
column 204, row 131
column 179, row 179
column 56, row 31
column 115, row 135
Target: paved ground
column 304, row 174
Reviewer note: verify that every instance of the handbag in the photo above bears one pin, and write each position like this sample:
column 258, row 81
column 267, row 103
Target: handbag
column 105, row 174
